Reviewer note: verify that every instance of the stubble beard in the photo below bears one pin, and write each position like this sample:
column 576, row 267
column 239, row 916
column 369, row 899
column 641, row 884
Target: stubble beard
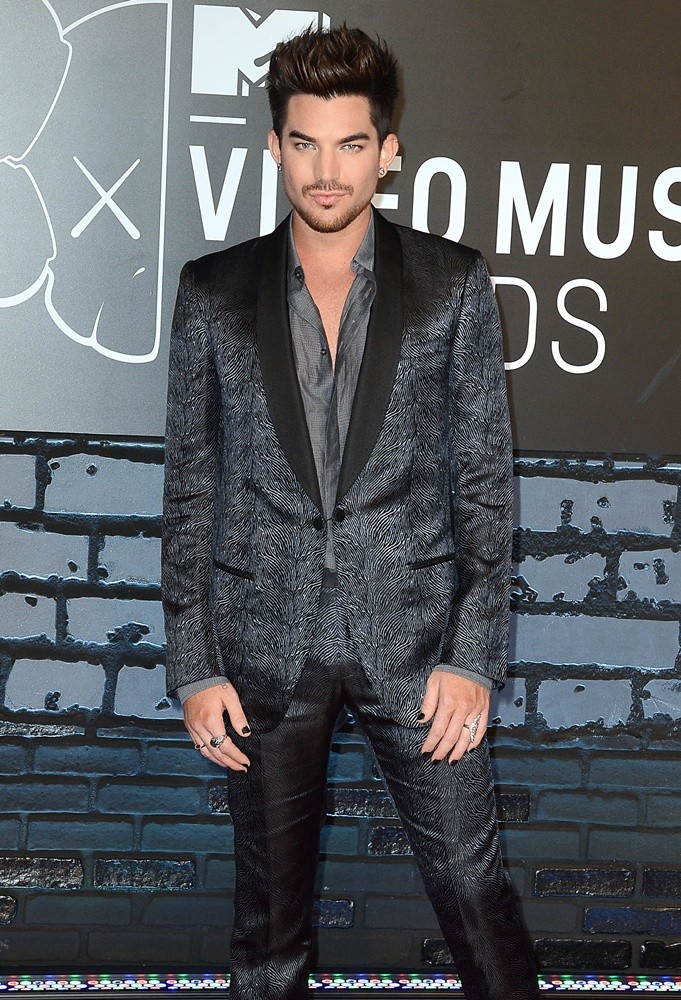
column 336, row 223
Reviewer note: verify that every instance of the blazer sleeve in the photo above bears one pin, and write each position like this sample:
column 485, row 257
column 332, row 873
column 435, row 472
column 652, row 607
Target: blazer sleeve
column 191, row 451
column 481, row 457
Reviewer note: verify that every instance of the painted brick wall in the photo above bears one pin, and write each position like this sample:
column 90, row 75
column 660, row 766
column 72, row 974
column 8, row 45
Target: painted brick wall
column 115, row 840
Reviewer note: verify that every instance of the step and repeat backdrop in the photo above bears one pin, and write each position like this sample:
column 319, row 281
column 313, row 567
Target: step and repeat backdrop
column 545, row 133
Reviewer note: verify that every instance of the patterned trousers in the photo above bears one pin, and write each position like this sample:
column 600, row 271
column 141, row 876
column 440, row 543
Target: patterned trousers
column 448, row 813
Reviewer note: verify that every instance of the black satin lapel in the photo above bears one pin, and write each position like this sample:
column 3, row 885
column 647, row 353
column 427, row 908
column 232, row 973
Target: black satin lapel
column 381, row 355
column 275, row 350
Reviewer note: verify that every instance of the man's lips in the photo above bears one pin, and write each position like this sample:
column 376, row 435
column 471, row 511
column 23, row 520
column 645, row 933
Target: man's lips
column 326, row 198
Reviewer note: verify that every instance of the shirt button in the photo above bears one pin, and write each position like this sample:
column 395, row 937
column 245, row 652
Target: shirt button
column 339, row 514
column 318, row 522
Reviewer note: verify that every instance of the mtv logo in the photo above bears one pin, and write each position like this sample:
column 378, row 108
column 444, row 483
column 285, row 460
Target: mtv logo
column 232, row 46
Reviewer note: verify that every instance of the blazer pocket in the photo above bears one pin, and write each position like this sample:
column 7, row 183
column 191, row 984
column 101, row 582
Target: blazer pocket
column 433, row 561
column 234, row 570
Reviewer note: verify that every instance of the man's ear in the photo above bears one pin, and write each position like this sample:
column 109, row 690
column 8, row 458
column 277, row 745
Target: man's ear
column 389, row 149
column 274, row 146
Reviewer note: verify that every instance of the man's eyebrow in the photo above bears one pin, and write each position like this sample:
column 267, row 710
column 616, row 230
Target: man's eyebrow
column 295, row 134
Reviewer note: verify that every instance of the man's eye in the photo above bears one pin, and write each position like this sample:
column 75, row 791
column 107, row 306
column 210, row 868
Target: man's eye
column 304, row 145
column 353, row 146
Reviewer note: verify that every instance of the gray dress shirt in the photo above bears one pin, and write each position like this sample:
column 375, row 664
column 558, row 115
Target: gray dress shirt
column 328, row 391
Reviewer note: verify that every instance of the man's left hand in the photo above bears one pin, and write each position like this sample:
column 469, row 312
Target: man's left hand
column 453, row 703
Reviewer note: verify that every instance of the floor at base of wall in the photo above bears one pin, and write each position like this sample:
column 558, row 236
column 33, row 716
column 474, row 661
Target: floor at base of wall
column 362, row 984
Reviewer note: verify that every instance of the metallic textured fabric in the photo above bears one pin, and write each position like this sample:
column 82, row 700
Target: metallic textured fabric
column 447, row 811
column 422, row 522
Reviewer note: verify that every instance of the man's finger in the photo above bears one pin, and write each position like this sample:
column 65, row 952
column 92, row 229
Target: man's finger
column 430, row 700
column 237, row 716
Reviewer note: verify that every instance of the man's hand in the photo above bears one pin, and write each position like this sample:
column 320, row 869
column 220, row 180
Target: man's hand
column 453, row 703
column 203, row 717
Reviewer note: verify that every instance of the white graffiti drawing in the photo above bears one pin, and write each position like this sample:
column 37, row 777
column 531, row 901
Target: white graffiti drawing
column 232, row 45
column 38, row 196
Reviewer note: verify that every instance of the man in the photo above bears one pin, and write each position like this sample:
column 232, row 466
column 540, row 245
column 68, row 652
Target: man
column 337, row 527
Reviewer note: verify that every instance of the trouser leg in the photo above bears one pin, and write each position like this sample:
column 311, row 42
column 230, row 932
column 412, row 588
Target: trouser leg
column 448, row 812
column 277, row 810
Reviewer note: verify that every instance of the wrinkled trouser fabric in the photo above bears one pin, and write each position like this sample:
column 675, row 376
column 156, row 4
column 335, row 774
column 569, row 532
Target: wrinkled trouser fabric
column 448, row 813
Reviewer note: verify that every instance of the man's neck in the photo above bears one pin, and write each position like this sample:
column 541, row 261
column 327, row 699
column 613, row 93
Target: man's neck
column 334, row 251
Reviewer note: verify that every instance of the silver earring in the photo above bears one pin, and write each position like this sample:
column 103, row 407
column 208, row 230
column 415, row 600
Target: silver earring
column 381, row 171
column 278, row 164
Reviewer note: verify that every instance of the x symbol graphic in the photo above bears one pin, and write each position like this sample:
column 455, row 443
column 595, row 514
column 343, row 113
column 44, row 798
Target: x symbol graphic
column 106, row 199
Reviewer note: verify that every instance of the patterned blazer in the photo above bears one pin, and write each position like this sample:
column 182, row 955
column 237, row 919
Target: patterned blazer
column 422, row 522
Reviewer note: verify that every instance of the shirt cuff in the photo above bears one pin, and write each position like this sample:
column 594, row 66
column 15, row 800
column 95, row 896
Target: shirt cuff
column 480, row 679
column 187, row 690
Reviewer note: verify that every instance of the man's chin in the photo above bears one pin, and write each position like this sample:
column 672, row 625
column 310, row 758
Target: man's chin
column 331, row 222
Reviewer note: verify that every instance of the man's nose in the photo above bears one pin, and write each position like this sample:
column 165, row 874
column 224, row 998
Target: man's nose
column 327, row 167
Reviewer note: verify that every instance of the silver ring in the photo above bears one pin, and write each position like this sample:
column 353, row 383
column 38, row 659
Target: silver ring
column 473, row 728
column 217, row 741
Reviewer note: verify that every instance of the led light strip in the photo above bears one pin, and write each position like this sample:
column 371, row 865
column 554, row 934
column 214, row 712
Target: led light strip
column 413, row 982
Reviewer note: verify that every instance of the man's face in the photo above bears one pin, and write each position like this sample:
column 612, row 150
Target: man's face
column 330, row 159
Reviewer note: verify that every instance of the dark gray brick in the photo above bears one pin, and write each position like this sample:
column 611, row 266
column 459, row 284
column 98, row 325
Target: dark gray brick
column 144, row 873
column 434, row 951
column 646, row 577
column 219, row 873
column 218, row 799
column 544, row 916
column 46, row 873
column 384, row 911
column 663, row 882
column 378, row 950
column 579, row 881
column 213, row 836
column 541, row 842
column 348, row 766
column 10, row 834
column 371, row 802
column 398, row 877
column 214, row 947
column 588, row 807
column 635, row 844
column 148, row 797
column 12, row 758
column 547, row 768
column 336, row 913
column 585, row 956
column 388, row 840
column 135, row 946
column 43, row 796
column 78, row 908
column 513, row 807
column 189, row 911
column 659, row 955
column 8, row 909
column 87, row 758
column 663, row 810
column 183, row 759
column 90, row 833
column 634, row 772
column 338, row 839
column 665, row 922
column 50, row 948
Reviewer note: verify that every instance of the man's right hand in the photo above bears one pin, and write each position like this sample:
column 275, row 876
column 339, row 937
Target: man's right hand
column 203, row 717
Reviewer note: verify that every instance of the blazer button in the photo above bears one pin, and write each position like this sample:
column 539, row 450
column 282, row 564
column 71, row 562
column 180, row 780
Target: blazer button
column 339, row 514
column 318, row 522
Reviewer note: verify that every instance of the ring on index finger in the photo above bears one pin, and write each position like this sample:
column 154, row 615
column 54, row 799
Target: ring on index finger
column 217, row 741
